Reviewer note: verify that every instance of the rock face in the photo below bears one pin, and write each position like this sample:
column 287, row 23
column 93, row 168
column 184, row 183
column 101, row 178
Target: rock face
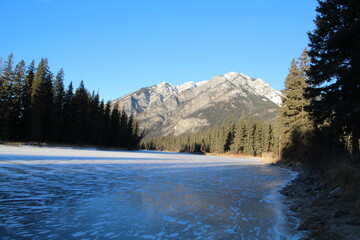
column 165, row 109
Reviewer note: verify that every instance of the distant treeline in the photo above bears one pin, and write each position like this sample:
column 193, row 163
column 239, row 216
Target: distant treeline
column 245, row 136
column 36, row 107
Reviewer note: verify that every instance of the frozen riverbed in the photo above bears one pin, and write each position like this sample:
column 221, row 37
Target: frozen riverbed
column 60, row 193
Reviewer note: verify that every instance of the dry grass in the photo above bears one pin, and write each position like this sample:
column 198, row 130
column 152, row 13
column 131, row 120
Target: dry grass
column 269, row 157
column 345, row 175
column 226, row 154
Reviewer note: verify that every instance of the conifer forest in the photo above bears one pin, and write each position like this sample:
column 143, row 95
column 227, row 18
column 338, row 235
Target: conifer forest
column 36, row 107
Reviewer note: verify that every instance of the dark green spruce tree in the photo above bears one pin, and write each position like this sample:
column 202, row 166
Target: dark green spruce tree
column 17, row 102
column 57, row 114
column 67, row 135
column 41, row 103
column 26, row 100
column 295, row 123
column 80, row 104
column 335, row 69
column 6, row 92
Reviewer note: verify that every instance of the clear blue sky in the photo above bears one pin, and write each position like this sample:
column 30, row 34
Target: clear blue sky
column 119, row 46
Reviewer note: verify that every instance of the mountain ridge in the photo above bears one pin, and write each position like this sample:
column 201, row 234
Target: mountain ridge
column 166, row 109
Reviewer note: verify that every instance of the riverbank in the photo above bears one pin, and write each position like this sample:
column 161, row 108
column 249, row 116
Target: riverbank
column 327, row 204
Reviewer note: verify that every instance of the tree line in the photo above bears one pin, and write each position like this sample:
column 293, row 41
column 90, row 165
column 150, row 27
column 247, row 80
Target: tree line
column 247, row 136
column 35, row 106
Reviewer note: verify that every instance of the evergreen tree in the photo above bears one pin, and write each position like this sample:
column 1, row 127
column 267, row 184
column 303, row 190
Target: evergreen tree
column 81, row 106
column 1, row 66
column 136, row 136
column 268, row 138
column 26, row 100
column 258, row 139
column 123, row 128
column 129, row 131
column 102, row 124
column 229, row 134
column 115, row 127
column 249, row 146
column 94, row 118
column 67, row 135
column 239, row 137
column 334, row 72
column 16, row 101
column 41, row 103
column 6, row 94
column 107, row 120
column 57, row 117
column 294, row 119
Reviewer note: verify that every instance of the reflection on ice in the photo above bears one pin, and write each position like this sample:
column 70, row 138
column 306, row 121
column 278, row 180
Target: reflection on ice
column 52, row 193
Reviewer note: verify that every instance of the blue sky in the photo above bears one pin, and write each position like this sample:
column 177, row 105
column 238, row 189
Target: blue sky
column 118, row 46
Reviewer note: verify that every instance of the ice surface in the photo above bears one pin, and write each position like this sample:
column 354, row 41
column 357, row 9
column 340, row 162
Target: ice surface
column 64, row 193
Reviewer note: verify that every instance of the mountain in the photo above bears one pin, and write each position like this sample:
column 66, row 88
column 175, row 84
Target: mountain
column 165, row 109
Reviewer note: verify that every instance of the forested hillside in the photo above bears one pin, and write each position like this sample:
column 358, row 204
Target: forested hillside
column 35, row 106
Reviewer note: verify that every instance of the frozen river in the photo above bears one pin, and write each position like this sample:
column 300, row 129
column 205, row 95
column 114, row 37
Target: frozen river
column 60, row 193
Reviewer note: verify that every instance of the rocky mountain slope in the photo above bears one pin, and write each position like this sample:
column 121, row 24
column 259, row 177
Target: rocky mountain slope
column 165, row 109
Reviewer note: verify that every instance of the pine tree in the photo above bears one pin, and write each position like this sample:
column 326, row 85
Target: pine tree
column 229, row 134
column 81, row 106
column 295, row 123
column 136, row 136
column 268, row 137
column 41, row 103
column 101, row 122
column 334, row 72
column 107, row 120
column 129, row 130
column 239, row 137
column 57, row 116
column 67, row 134
column 258, row 139
column 26, row 101
column 249, row 148
column 115, row 127
column 6, row 94
column 1, row 67
column 16, row 101
column 94, row 118
column 123, row 128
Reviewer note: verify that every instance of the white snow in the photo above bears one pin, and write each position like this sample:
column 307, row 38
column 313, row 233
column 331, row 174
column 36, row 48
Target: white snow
column 201, row 83
column 185, row 86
